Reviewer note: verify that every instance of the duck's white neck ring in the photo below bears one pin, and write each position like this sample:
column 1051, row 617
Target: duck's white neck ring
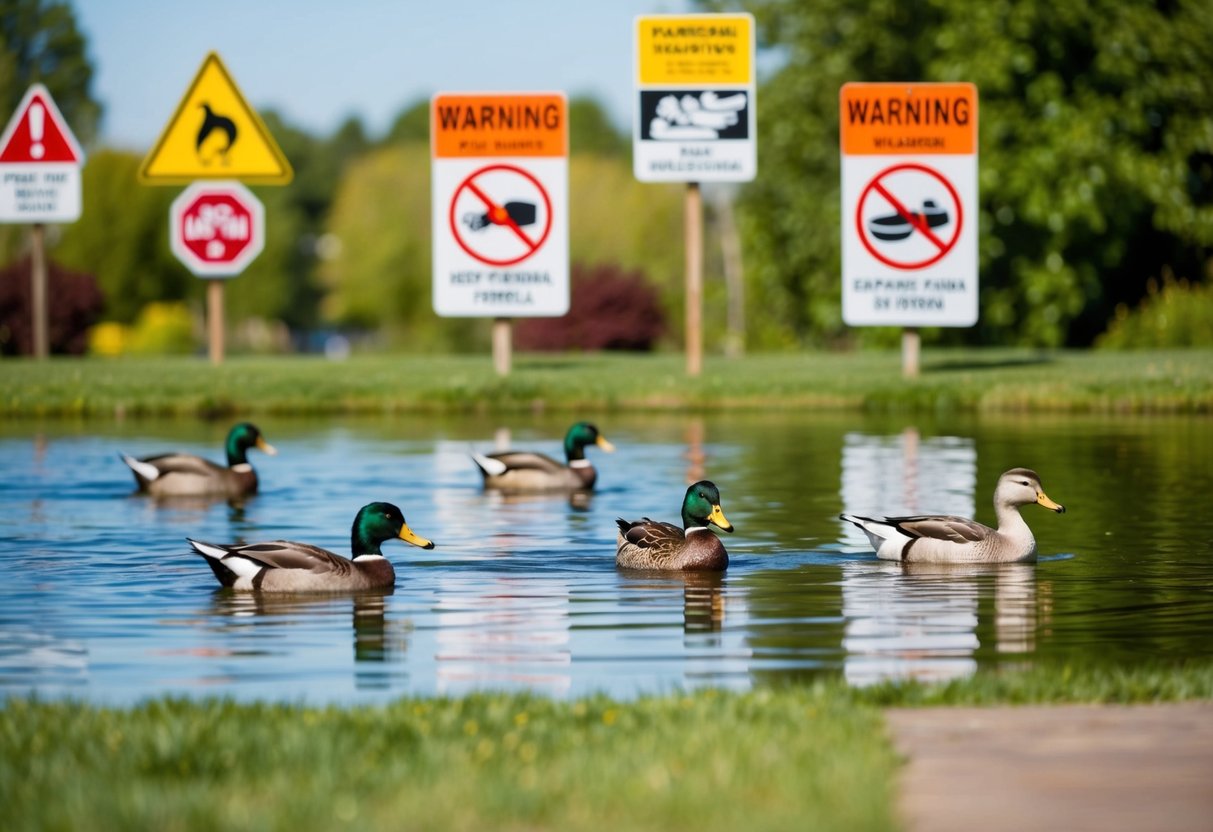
column 242, row 467
column 368, row 557
column 579, row 463
column 694, row 529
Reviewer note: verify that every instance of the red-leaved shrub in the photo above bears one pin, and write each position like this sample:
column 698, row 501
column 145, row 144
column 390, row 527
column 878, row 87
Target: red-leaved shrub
column 609, row 309
column 73, row 302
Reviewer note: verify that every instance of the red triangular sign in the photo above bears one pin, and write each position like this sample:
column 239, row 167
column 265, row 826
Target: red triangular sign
column 37, row 133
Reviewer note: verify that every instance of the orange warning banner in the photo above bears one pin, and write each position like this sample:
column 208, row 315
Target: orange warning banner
column 507, row 124
column 908, row 119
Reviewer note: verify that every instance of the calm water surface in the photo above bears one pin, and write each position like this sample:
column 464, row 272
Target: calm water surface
column 101, row 599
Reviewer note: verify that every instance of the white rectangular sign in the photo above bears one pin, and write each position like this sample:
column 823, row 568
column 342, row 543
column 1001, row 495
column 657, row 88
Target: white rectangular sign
column 909, row 204
column 695, row 113
column 500, row 204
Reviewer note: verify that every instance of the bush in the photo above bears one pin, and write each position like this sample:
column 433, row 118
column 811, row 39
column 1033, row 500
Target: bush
column 161, row 329
column 609, row 309
column 73, row 303
column 1180, row 314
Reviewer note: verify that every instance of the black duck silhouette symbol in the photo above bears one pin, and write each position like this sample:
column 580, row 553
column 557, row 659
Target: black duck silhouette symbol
column 522, row 213
column 212, row 123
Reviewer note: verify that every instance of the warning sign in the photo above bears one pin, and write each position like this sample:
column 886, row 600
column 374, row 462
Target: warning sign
column 40, row 163
column 500, row 205
column 909, row 191
column 215, row 134
column 695, row 98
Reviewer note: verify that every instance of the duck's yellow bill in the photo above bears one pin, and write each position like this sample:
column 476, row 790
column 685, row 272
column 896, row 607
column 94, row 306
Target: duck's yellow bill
column 410, row 536
column 266, row 447
column 604, row 444
column 718, row 519
column 1043, row 499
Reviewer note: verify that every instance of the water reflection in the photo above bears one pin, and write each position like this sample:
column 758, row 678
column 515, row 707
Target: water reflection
column 703, row 599
column 245, row 617
column 922, row 621
column 502, row 632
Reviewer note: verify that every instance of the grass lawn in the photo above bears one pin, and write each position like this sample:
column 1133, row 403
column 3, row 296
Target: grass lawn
column 1178, row 381
column 803, row 757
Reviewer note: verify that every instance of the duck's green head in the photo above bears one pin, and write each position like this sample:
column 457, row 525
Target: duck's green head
column 242, row 437
column 377, row 522
column 701, row 507
column 580, row 435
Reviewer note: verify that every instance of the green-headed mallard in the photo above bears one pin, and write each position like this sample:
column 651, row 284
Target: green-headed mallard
column 186, row 475
column 942, row 539
column 286, row 566
column 526, row 471
column 650, row 544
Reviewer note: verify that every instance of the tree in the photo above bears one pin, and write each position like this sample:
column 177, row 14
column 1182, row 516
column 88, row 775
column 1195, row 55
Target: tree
column 1096, row 142
column 40, row 43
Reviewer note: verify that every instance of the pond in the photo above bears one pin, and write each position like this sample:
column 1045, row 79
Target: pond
column 101, row 599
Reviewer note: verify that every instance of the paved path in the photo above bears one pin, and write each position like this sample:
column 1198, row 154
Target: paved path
column 1103, row 768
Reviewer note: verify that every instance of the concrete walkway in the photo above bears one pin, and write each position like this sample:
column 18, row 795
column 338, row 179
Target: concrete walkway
column 1102, row 768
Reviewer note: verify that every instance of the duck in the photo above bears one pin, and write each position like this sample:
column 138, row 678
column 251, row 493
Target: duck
column 186, row 475
column 288, row 566
column 520, row 472
column 946, row 539
column 651, row 544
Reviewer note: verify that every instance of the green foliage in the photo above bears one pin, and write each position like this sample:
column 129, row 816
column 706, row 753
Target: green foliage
column 953, row 381
column 1180, row 314
column 40, row 43
column 411, row 126
column 591, row 130
column 122, row 238
column 1096, row 148
column 379, row 276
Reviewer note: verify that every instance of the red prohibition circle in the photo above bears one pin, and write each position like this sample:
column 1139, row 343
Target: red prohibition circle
column 943, row 249
column 532, row 245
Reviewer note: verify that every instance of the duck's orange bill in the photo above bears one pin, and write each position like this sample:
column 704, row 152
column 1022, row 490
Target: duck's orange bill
column 410, row 536
column 604, row 444
column 717, row 518
column 266, row 447
column 1043, row 499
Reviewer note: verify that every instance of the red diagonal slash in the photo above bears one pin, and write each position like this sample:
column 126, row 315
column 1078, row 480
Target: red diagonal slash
column 917, row 220
column 496, row 211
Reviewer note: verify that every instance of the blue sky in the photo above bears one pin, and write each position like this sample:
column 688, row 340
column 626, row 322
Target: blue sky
column 320, row 62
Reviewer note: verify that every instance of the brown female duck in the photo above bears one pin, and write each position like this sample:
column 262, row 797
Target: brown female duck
column 946, row 539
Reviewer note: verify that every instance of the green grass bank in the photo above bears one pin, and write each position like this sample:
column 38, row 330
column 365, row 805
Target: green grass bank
column 812, row 756
column 959, row 380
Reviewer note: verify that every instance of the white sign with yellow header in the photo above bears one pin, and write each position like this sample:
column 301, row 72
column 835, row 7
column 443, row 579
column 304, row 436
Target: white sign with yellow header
column 695, row 118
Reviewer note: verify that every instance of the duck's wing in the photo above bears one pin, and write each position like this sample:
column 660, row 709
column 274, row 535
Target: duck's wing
column 650, row 534
column 153, row 467
column 274, row 554
column 519, row 461
column 941, row 527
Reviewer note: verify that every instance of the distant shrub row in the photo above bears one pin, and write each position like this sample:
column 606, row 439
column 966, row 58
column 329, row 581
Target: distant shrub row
column 1176, row 314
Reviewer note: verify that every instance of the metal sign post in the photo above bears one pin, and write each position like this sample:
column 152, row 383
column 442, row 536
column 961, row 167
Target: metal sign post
column 693, row 232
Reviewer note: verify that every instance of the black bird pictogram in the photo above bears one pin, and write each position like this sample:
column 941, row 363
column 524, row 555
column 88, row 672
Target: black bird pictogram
column 212, row 122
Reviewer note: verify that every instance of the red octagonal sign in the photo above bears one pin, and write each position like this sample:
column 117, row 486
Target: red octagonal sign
column 217, row 228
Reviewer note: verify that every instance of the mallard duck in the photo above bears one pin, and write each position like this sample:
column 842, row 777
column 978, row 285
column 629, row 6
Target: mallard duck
column 927, row 539
column 286, row 566
column 650, row 544
column 527, row 471
column 186, row 475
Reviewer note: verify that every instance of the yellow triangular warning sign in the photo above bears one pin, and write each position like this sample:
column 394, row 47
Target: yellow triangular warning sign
column 215, row 134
